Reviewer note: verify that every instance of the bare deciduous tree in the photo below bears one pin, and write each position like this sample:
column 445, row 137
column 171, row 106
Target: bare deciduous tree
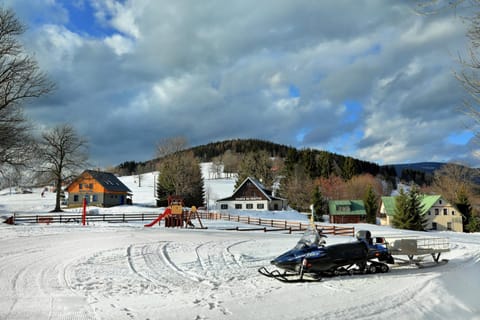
column 20, row 79
column 469, row 73
column 170, row 146
column 453, row 178
column 62, row 152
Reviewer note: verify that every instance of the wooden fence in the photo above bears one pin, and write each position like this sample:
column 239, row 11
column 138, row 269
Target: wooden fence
column 264, row 224
column 67, row 218
column 279, row 225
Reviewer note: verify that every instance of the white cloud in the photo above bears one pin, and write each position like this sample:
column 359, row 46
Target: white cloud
column 120, row 44
column 121, row 16
column 225, row 68
column 57, row 44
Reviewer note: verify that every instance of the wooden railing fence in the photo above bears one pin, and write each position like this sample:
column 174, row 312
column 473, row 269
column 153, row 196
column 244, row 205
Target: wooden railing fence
column 279, row 225
column 266, row 225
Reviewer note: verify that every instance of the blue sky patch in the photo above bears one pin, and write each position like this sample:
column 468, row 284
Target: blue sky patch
column 354, row 111
column 375, row 49
column 461, row 138
column 81, row 20
column 301, row 134
column 293, row 91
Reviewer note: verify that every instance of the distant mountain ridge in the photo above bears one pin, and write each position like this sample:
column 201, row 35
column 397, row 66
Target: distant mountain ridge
column 426, row 167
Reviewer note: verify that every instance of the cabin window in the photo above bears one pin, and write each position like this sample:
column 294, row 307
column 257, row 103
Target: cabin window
column 260, row 206
column 90, row 186
column 249, row 205
column 453, row 212
column 75, row 198
column 449, row 226
column 434, row 226
column 80, row 186
column 445, row 212
column 94, row 198
column 440, row 201
column 238, row 206
column 429, row 213
column 224, row 206
column 436, row 212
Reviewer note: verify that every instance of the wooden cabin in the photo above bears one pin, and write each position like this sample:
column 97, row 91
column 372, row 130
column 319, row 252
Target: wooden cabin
column 101, row 189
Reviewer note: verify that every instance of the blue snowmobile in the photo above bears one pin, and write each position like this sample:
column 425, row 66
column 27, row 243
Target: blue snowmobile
column 310, row 259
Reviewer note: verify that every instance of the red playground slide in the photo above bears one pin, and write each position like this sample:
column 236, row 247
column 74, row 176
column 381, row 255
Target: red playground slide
column 160, row 217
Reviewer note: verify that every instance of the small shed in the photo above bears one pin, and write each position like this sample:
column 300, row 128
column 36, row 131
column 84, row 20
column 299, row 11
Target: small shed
column 346, row 211
column 102, row 189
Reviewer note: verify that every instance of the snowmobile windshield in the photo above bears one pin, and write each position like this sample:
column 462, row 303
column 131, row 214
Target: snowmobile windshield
column 310, row 238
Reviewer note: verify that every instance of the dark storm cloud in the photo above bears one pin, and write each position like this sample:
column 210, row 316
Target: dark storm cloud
column 215, row 70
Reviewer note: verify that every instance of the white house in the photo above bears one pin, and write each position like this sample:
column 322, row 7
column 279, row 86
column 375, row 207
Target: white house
column 252, row 195
column 440, row 214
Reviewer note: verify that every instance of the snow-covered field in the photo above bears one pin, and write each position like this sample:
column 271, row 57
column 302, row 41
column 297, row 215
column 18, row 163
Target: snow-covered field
column 126, row 271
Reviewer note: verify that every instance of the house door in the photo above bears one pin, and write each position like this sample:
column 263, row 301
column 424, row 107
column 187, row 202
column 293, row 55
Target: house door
column 122, row 199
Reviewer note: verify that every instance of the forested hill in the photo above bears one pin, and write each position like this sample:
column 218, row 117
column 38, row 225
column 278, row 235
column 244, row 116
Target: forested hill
column 208, row 152
column 317, row 163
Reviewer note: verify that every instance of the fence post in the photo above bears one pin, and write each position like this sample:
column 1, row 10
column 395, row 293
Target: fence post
column 248, row 220
column 259, row 221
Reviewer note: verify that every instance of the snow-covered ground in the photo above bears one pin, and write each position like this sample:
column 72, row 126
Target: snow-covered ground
column 127, row 271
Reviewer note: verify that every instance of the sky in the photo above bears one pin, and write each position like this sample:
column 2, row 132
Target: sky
column 371, row 79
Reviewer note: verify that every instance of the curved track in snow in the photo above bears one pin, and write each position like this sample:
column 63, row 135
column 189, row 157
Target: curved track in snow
column 135, row 273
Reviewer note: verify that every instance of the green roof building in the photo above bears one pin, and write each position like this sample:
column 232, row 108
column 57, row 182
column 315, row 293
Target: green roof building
column 440, row 214
column 346, row 211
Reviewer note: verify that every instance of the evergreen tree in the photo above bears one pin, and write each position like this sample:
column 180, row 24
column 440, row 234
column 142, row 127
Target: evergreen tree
column 348, row 169
column 474, row 224
column 290, row 161
column 371, row 205
column 401, row 217
column 320, row 204
column 416, row 210
column 409, row 212
column 463, row 205
column 257, row 165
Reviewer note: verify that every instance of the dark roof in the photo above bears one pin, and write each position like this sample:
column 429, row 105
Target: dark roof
column 109, row 181
column 258, row 185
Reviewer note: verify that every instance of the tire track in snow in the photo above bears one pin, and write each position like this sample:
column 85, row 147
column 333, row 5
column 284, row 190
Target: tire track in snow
column 36, row 286
column 162, row 250
column 143, row 265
